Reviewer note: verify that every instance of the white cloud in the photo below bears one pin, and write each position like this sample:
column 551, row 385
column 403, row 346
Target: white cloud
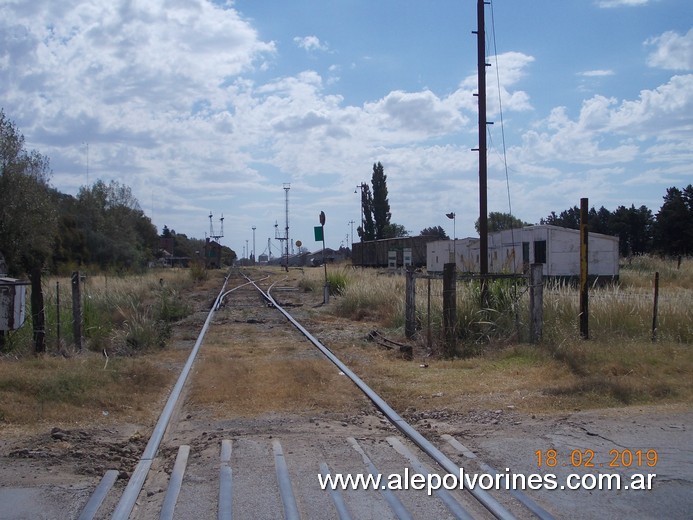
column 672, row 51
column 168, row 100
column 596, row 73
column 310, row 43
column 663, row 112
column 621, row 3
column 507, row 69
column 607, row 132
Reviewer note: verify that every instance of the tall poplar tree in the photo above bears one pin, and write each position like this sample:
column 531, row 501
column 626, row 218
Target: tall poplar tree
column 366, row 230
column 381, row 205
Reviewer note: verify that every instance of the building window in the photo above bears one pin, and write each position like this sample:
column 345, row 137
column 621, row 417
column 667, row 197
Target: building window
column 540, row 251
column 525, row 253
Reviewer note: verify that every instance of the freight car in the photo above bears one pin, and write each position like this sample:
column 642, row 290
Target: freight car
column 375, row 253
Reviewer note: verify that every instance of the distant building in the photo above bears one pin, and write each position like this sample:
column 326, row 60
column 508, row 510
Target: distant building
column 513, row 250
column 329, row 256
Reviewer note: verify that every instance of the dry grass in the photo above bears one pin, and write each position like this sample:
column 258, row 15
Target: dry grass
column 68, row 392
column 248, row 370
column 66, row 388
column 618, row 365
column 244, row 371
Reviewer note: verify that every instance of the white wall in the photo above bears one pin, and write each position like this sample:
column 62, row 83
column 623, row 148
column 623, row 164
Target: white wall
column 506, row 252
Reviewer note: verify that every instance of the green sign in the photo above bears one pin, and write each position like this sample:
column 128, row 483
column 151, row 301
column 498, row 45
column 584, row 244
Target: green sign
column 318, row 233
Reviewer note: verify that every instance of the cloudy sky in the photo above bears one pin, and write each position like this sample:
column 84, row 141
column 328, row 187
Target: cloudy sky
column 212, row 106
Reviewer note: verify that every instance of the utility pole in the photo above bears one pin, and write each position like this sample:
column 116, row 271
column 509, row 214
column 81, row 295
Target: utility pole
column 285, row 250
column 362, row 186
column 483, row 165
column 254, row 245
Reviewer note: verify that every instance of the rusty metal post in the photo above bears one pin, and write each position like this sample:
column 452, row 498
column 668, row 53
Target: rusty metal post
column 536, row 303
column 450, row 309
column 584, row 270
column 656, row 303
column 410, row 301
column 76, row 311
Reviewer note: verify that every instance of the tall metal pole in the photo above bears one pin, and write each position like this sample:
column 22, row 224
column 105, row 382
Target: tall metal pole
column 287, row 187
column 254, row 245
column 483, row 166
column 363, row 223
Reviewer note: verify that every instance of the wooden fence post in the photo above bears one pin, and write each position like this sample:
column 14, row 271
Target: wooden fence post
column 584, row 270
column 656, row 303
column 536, row 303
column 57, row 312
column 429, row 336
column 450, row 309
column 410, row 299
column 76, row 311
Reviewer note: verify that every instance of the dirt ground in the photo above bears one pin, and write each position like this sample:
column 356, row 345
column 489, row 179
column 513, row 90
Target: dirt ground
column 49, row 471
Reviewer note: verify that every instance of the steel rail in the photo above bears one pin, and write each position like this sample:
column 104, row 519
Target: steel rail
column 134, row 485
column 482, row 496
column 221, row 300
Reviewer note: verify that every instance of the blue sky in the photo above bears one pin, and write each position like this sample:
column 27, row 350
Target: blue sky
column 212, row 106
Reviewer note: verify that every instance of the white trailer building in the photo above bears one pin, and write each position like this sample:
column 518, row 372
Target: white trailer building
column 513, row 250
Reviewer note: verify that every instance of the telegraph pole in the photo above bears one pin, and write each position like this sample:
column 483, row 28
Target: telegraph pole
column 254, row 259
column 483, row 165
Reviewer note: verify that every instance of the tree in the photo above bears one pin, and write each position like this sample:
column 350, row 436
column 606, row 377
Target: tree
column 498, row 221
column 393, row 230
column 674, row 227
column 436, row 231
column 366, row 230
column 381, row 205
column 634, row 228
column 569, row 218
column 70, row 245
column 27, row 216
column 118, row 234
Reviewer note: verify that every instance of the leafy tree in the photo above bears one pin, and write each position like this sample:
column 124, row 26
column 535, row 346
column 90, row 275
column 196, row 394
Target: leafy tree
column 381, row 205
column 674, row 227
column 393, row 230
column 70, row 245
column 569, row 218
column 118, row 235
column 27, row 216
column 436, row 231
column 600, row 221
column 498, row 221
column 635, row 228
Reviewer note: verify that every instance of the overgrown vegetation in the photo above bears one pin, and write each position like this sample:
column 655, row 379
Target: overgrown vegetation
column 122, row 315
column 56, row 389
column 619, row 364
column 495, row 364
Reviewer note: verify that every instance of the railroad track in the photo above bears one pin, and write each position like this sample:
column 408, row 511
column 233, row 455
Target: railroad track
column 267, row 465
